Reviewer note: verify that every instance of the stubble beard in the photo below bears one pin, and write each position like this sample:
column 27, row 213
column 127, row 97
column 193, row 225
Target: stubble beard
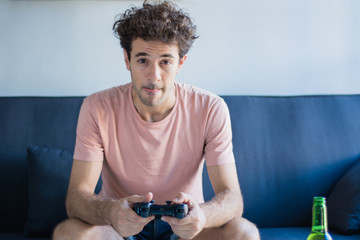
column 149, row 101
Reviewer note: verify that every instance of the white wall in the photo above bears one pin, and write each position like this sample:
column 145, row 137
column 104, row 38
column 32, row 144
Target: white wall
column 252, row 47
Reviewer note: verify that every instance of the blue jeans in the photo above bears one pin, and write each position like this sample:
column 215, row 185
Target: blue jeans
column 155, row 230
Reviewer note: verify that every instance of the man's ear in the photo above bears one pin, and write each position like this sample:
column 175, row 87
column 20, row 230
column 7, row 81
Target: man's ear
column 181, row 62
column 127, row 61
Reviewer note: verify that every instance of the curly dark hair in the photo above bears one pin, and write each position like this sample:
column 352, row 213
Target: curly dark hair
column 161, row 21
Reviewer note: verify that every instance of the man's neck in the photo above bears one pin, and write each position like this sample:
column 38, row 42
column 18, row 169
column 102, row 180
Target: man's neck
column 156, row 113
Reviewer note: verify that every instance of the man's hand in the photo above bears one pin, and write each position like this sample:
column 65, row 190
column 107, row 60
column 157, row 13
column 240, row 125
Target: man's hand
column 124, row 219
column 192, row 224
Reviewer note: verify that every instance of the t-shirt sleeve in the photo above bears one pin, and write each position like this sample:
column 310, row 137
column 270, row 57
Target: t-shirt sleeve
column 88, row 145
column 218, row 143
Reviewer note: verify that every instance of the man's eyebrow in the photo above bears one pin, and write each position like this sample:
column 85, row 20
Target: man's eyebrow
column 167, row 55
column 141, row 54
column 144, row 54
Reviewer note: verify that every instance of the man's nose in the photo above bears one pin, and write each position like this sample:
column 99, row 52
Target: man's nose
column 154, row 73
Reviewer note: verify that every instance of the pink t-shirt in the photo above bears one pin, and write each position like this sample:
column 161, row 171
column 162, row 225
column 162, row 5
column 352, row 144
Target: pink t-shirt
column 164, row 157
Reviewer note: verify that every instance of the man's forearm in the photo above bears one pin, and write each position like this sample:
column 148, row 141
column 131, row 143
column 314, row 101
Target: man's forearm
column 222, row 208
column 89, row 207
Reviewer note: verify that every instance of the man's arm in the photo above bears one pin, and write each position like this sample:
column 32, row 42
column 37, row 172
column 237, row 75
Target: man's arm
column 226, row 204
column 228, row 201
column 82, row 203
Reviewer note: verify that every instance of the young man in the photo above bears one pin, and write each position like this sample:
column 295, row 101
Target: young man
column 149, row 138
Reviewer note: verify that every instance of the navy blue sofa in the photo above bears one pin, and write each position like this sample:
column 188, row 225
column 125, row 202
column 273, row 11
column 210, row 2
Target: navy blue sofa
column 287, row 150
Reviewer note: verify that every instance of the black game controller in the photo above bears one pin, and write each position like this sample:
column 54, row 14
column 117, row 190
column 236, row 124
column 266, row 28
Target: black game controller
column 145, row 209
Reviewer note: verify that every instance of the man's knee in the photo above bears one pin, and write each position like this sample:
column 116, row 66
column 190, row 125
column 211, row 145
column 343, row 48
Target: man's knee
column 63, row 230
column 71, row 229
column 76, row 229
column 68, row 229
column 241, row 228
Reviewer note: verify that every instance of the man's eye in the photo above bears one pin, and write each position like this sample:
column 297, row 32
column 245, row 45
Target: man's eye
column 166, row 62
column 142, row 60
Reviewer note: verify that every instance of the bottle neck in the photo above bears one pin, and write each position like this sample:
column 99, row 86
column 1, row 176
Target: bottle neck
column 319, row 221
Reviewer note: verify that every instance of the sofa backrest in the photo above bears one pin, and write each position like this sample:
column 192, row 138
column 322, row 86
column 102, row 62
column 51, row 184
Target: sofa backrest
column 287, row 150
column 290, row 149
column 29, row 121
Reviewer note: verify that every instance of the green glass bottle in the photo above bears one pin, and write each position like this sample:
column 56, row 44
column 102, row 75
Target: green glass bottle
column 319, row 230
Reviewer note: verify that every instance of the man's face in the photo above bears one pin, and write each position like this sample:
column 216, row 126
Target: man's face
column 153, row 66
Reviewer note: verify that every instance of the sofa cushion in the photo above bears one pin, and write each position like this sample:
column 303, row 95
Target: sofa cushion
column 344, row 202
column 49, row 172
column 297, row 233
column 18, row 236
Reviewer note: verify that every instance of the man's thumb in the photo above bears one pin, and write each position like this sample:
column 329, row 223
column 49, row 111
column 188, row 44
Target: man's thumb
column 148, row 197
column 135, row 198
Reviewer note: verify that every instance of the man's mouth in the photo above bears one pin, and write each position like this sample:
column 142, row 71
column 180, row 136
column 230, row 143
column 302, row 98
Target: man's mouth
column 151, row 90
